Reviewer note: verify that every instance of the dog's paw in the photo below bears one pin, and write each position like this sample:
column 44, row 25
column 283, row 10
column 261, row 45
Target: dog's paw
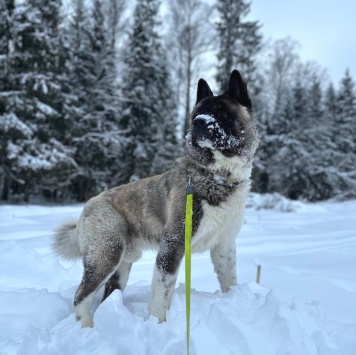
column 86, row 322
column 159, row 315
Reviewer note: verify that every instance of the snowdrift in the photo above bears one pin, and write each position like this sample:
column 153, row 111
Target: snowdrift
column 249, row 319
column 305, row 305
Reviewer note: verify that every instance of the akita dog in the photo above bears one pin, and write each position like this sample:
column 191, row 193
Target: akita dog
column 117, row 225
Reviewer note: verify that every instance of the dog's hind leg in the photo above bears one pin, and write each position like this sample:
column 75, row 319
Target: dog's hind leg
column 99, row 265
column 118, row 279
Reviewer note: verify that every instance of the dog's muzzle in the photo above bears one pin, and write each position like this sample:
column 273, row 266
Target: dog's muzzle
column 200, row 129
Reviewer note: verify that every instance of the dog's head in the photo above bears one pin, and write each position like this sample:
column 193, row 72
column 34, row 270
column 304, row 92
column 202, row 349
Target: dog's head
column 222, row 128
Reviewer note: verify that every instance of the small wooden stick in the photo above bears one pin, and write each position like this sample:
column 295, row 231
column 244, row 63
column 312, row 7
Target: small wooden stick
column 258, row 273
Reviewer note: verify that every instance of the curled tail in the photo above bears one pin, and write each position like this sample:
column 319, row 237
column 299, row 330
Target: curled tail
column 65, row 241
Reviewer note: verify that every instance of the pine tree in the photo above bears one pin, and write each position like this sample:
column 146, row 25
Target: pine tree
column 114, row 11
column 346, row 100
column 298, row 154
column 315, row 100
column 345, row 136
column 239, row 43
column 274, row 112
column 93, row 78
column 282, row 141
column 289, row 168
column 36, row 98
column 317, row 142
column 148, row 108
column 330, row 101
column 329, row 152
column 167, row 148
column 11, row 126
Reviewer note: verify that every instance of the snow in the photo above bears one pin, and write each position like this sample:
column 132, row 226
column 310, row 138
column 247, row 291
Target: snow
column 206, row 118
column 305, row 303
column 220, row 138
column 42, row 107
column 10, row 121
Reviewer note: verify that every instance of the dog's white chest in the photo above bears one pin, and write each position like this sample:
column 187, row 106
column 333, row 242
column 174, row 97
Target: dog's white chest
column 220, row 223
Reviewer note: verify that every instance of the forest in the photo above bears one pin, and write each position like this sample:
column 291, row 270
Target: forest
column 96, row 93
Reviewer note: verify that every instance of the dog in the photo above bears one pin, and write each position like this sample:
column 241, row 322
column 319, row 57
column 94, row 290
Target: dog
column 117, row 225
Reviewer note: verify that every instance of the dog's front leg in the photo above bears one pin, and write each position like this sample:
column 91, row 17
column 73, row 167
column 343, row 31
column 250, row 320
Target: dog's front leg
column 165, row 274
column 223, row 257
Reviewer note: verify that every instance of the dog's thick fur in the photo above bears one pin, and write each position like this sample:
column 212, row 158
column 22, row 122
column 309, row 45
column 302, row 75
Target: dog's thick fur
column 116, row 226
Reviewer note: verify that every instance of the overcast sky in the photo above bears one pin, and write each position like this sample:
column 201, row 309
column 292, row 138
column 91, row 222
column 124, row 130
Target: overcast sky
column 325, row 29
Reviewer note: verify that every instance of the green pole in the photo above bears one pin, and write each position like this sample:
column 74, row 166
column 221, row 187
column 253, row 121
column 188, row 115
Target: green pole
column 188, row 254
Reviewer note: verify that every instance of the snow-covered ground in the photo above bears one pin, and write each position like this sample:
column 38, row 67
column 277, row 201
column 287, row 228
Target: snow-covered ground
column 305, row 303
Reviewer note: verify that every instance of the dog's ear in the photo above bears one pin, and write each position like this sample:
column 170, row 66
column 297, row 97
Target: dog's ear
column 238, row 89
column 203, row 90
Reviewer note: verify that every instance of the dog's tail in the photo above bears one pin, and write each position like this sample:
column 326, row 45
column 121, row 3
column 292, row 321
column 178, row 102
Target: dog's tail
column 65, row 242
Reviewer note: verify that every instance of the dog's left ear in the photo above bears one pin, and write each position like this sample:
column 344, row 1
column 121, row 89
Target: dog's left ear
column 238, row 89
column 203, row 90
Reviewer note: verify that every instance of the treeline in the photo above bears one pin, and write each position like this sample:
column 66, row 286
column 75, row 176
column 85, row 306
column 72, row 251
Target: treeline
column 84, row 104
column 95, row 93
column 308, row 129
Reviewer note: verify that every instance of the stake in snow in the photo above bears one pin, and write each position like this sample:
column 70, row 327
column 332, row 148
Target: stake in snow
column 116, row 226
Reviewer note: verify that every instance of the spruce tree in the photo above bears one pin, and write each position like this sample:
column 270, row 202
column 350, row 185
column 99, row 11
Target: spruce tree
column 12, row 127
column 148, row 106
column 282, row 142
column 275, row 111
column 36, row 100
column 330, row 153
column 167, row 148
column 288, row 164
column 93, row 76
column 345, row 136
column 317, row 140
column 346, row 100
column 330, row 101
column 114, row 11
column 315, row 100
column 239, row 43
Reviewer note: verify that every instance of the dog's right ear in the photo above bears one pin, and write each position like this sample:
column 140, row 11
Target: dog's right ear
column 203, row 90
column 238, row 89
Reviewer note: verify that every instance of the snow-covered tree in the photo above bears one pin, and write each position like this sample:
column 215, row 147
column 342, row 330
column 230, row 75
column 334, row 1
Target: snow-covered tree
column 316, row 99
column 114, row 11
column 278, row 60
column 239, row 43
column 35, row 102
column 10, row 124
column 298, row 152
column 190, row 36
column 147, row 89
column 345, row 136
column 93, row 77
column 167, row 148
column 330, row 100
column 346, row 100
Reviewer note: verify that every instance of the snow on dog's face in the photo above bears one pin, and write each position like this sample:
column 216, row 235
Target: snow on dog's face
column 222, row 126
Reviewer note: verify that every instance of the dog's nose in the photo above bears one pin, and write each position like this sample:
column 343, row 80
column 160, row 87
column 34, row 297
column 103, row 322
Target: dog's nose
column 199, row 122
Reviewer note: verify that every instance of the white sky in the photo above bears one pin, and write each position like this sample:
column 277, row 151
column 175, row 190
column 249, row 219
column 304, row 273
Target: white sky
column 325, row 29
